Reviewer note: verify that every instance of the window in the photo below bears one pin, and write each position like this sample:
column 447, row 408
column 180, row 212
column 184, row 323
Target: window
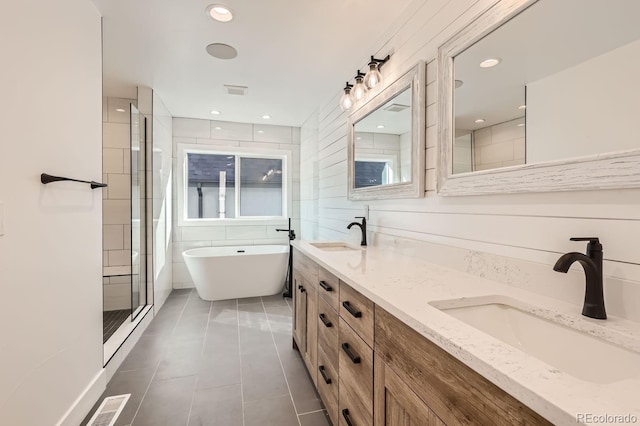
column 220, row 184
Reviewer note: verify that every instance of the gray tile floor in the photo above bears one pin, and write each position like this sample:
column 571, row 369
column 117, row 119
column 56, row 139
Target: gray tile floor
column 217, row 363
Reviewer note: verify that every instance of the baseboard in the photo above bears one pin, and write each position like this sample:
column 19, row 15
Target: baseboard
column 81, row 406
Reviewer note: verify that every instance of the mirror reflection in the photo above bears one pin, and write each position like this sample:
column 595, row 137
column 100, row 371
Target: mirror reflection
column 532, row 92
column 382, row 146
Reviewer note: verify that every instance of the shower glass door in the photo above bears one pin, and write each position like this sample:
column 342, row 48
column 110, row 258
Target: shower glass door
column 138, row 213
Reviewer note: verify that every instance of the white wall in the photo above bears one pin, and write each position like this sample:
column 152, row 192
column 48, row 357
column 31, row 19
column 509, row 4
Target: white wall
column 162, row 202
column 578, row 110
column 512, row 238
column 51, row 253
column 240, row 232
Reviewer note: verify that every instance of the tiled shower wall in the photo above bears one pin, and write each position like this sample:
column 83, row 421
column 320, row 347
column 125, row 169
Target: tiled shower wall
column 500, row 145
column 117, row 195
column 243, row 135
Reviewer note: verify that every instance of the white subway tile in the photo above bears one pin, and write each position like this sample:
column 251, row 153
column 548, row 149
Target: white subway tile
column 218, row 142
column 295, row 135
column 200, row 233
column 229, row 130
column 245, row 232
column 119, row 257
column 112, row 237
column 268, row 133
column 115, row 135
column 119, row 186
column 191, row 128
column 116, row 212
column 113, row 160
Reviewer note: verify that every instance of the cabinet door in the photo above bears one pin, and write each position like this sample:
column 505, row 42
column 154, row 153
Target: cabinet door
column 310, row 352
column 300, row 313
column 396, row 404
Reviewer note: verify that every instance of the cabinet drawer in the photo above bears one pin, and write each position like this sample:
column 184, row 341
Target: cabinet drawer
column 328, row 391
column 328, row 338
column 355, row 366
column 329, row 288
column 357, row 310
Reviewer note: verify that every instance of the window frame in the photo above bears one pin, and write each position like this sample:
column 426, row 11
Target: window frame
column 237, row 152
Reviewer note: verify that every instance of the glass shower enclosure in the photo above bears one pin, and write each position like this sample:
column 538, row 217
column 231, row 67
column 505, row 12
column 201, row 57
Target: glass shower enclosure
column 138, row 212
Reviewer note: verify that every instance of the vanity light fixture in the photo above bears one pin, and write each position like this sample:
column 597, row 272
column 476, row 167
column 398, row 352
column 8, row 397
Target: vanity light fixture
column 490, row 62
column 479, row 120
column 359, row 88
column 373, row 76
column 219, row 12
column 346, row 101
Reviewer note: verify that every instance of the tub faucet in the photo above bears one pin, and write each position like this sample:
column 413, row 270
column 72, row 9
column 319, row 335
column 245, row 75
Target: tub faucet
column 363, row 228
column 592, row 264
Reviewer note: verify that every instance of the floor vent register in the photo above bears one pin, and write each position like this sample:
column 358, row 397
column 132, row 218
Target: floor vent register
column 109, row 410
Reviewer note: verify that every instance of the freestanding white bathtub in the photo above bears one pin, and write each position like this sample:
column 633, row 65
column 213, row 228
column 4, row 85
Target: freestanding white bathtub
column 221, row 273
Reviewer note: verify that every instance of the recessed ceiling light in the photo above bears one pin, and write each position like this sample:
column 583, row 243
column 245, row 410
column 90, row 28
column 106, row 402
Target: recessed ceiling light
column 222, row 51
column 522, row 107
column 380, row 126
column 218, row 128
column 358, row 138
column 266, row 117
column 219, row 12
column 120, row 110
column 260, row 131
column 520, row 124
column 491, row 62
column 458, row 83
column 480, row 120
column 215, row 112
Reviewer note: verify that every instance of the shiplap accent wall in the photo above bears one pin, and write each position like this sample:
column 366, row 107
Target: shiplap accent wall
column 514, row 238
column 239, row 232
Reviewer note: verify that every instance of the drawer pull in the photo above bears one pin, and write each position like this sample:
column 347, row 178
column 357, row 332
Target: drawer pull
column 324, row 320
column 351, row 310
column 302, row 290
column 345, row 414
column 354, row 358
column 323, row 372
column 326, row 286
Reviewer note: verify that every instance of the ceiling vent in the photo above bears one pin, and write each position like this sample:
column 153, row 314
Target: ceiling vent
column 396, row 108
column 236, row 90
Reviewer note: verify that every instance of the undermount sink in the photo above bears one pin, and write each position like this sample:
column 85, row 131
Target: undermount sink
column 334, row 246
column 567, row 349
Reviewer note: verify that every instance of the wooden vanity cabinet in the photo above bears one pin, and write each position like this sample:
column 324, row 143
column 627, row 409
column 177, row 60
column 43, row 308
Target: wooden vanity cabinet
column 370, row 368
column 454, row 392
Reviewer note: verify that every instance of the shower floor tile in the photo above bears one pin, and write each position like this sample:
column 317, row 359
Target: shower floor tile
column 111, row 320
column 219, row 363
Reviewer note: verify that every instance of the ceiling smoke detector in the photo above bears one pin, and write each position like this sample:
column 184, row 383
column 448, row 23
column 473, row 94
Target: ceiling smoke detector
column 236, row 90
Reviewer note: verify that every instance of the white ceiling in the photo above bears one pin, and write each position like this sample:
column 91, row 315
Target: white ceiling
column 293, row 55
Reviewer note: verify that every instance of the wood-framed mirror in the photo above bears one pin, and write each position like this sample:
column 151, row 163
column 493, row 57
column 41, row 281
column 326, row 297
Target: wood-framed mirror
column 386, row 141
column 538, row 96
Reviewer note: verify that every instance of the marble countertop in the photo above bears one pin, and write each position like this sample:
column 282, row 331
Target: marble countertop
column 405, row 286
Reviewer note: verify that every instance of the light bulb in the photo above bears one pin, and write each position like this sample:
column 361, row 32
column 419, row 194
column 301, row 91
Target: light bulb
column 373, row 77
column 346, row 101
column 359, row 89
